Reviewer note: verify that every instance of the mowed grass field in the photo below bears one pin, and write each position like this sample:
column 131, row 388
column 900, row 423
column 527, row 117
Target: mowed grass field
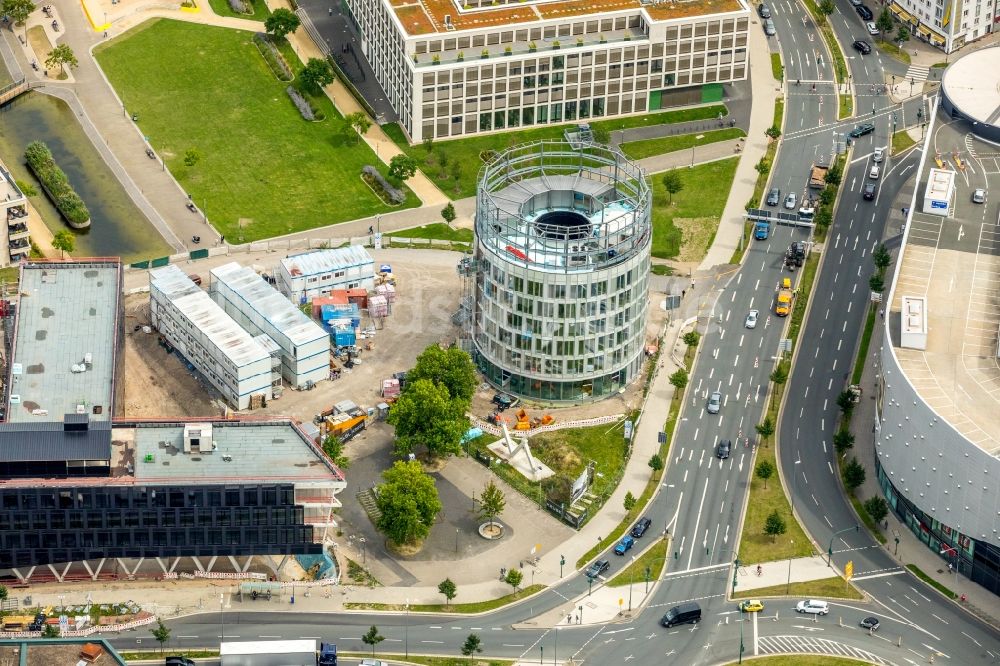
column 208, row 89
column 706, row 187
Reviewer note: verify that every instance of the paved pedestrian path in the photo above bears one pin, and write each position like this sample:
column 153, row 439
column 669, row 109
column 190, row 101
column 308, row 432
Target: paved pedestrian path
column 782, row 572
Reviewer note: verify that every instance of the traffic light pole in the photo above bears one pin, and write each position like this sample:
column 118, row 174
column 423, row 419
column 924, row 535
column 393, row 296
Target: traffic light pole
column 829, row 550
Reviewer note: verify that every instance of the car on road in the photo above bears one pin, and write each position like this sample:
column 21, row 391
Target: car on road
column 686, row 613
column 368, row 661
column 751, row 606
column 855, row 3
column 874, row 172
column 640, row 528
column 870, row 622
column 790, row 200
column 861, row 130
column 864, row 13
column 598, row 568
column 862, row 47
column 979, row 196
column 714, row 403
column 872, row 28
column 763, row 11
column 624, row 545
column 724, row 448
column 174, row 660
column 751, row 321
column 871, row 189
column 813, row 607
column 878, row 155
column 769, row 27
column 773, row 197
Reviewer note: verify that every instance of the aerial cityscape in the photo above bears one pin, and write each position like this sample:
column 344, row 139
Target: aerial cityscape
column 499, row 332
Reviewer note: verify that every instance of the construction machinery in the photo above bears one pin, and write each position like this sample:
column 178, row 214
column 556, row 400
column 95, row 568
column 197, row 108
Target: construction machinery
column 783, row 299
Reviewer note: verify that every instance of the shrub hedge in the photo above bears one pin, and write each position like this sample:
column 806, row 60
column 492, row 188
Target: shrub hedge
column 39, row 159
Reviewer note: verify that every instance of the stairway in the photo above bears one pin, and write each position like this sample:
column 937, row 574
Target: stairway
column 366, row 498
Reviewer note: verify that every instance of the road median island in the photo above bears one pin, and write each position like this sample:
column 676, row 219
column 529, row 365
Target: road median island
column 451, row 609
column 825, row 588
column 840, row 70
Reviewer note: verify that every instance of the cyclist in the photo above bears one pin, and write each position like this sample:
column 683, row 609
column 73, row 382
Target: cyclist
column 760, row 570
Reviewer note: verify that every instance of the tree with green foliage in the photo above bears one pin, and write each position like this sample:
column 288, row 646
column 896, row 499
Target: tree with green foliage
column 843, row 440
column 451, row 368
column 764, row 471
column 402, row 167
column 61, row 55
column 281, row 22
column 425, row 414
column 601, row 135
column 491, row 502
column 672, row 183
column 64, row 241
column 774, row 526
column 765, row 428
column 357, row 123
column 191, row 157
column 779, row 375
column 881, row 257
column 884, row 23
column 3, row 592
column 17, row 10
column 691, row 338
column 408, row 502
column 902, row 33
column 161, row 633
column 373, row 638
column 27, row 189
column 825, row 8
column 52, row 631
column 334, row 448
column 823, row 218
column 316, row 75
column 877, row 508
column 828, row 195
column 834, row 174
column 514, row 578
column 876, row 283
column 429, row 144
column 655, row 462
column 448, row 588
column 448, row 213
column 472, row 646
column 845, row 401
column 763, row 166
column 679, row 379
column 629, row 501
column 854, row 474
column 773, row 132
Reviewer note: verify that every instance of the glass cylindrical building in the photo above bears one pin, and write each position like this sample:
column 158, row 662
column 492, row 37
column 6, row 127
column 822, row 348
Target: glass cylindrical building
column 563, row 237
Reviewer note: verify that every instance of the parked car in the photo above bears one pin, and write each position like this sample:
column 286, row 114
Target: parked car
column 878, row 155
column 724, row 449
column 373, row 662
column 790, row 200
column 863, row 47
column 979, row 196
column 872, row 28
column 861, row 130
column 855, row 3
column 714, row 403
column 175, row 660
column 871, row 189
column 864, row 12
column 640, row 528
column 624, row 545
column 773, row 197
column 751, row 606
column 503, row 401
column 870, row 622
column 597, row 568
column 769, row 27
column 813, row 606
column 763, row 11
column 751, row 321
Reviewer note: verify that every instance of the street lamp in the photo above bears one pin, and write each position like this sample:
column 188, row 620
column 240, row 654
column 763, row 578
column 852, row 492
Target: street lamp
column 829, row 550
column 364, row 550
column 795, row 480
column 555, row 657
column 222, row 614
column 788, row 587
column 647, row 580
column 456, row 540
column 562, row 561
column 407, row 630
column 697, row 138
column 631, row 573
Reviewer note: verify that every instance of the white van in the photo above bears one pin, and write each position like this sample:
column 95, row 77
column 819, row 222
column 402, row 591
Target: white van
column 874, row 172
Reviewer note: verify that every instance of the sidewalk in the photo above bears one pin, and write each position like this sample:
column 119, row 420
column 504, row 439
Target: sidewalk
column 765, row 91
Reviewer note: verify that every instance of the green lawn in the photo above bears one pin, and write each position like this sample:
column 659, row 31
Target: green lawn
column 930, row 581
column 661, row 269
column 474, row 607
column 205, row 88
column 893, row 51
column 436, row 661
column 436, row 231
column 157, row 655
column 260, row 10
column 801, row 660
column 468, row 152
column 638, row 150
column 866, row 338
column 777, row 69
column 769, row 153
column 846, row 107
column 703, row 196
column 824, row 588
column 636, row 572
column 901, row 141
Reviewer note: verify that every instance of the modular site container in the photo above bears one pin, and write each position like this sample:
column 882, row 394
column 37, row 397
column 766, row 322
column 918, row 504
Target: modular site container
column 269, row 653
column 225, row 354
column 260, row 309
column 320, row 272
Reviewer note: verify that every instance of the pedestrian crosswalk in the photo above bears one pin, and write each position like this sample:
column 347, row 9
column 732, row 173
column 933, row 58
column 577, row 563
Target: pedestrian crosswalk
column 917, row 74
column 810, row 645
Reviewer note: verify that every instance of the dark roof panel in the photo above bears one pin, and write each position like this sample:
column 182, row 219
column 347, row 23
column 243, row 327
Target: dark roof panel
column 33, row 442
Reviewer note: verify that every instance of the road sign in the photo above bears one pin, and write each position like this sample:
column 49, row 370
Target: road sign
column 628, row 430
column 849, row 569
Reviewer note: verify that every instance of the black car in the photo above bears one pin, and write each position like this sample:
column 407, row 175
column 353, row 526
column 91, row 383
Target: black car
column 773, row 197
column 870, row 190
column 862, row 47
column 724, row 449
column 861, row 130
column 597, row 568
column 870, row 623
column 640, row 527
column 178, row 661
column 504, row 401
column 763, row 11
column 864, row 12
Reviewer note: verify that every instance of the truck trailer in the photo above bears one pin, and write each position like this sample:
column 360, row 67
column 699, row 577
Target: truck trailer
column 269, row 653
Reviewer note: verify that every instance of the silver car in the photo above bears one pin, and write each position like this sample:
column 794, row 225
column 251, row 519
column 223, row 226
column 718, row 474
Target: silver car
column 751, row 321
column 714, row 403
column 769, row 27
column 790, row 201
column 979, row 196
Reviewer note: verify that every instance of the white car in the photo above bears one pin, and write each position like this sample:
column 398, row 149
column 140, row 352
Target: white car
column 872, row 29
column 813, row 606
column 751, row 321
column 874, row 172
column 714, row 403
column 878, row 155
column 979, row 196
column 790, row 201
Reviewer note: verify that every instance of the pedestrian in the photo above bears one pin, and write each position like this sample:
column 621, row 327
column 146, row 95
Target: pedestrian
column 881, row 313
column 329, row 11
column 222, row 239
column 371, row 230
column 950, row 567
column 105, row 34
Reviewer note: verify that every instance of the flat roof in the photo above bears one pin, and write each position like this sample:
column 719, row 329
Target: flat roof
column 316, row 262
column 420, row 17
column 238, row 346
column 67, row 310
column 939, row 183
column 9, row 191
column 954, row 262
column 972, row 83
column 271, row 450
column 262, row 298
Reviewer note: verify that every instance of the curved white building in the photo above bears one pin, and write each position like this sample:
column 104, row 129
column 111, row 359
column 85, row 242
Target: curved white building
column 563, row 241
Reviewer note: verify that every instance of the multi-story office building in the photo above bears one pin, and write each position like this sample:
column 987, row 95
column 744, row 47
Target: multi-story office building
column 14, row 210
column 261, row 310
column 947, row 24
column 85, row 494
column 937, row 432
column 458, row 67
